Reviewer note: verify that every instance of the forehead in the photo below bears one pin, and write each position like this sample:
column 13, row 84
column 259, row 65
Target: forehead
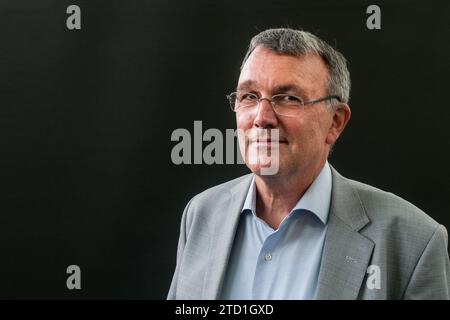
column 266, row 70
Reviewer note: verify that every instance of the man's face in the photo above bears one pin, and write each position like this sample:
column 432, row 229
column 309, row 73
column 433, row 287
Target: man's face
column 304, row 139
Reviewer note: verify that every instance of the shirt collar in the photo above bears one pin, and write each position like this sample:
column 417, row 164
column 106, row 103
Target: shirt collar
column 316, row 199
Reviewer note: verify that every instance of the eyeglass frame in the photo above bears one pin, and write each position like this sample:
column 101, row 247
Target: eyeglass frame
column 272, row 103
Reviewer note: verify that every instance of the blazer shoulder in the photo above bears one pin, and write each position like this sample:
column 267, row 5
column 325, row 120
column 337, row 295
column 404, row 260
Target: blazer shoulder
column 391, row 209
column 222, row 191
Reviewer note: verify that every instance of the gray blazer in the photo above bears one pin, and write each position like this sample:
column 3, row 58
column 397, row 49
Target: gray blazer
column 367, row 227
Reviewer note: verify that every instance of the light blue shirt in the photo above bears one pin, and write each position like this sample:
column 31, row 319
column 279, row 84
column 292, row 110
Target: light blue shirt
column 283, row 263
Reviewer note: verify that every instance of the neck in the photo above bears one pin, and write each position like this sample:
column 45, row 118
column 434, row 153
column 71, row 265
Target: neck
column 277, row 195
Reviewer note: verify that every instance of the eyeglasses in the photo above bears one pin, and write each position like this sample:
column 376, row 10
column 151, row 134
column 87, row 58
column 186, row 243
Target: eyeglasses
column 282, row 104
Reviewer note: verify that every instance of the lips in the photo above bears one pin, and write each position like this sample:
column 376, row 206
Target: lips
column 264, row 136
column 267, row 141
column 266, row 144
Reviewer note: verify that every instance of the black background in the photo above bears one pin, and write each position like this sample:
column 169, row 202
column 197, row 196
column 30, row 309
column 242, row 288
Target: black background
column 86, row 118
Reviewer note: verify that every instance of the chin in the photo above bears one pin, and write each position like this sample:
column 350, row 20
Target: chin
column 266, row 170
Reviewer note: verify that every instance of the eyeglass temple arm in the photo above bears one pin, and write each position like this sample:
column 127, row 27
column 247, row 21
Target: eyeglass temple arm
column 325, row 98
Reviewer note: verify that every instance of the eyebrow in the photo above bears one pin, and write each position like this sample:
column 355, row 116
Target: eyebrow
column 288, row 88
column 250, row 84
column 246, row 85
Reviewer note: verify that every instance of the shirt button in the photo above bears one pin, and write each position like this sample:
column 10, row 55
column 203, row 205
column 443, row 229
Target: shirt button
column 268, row 256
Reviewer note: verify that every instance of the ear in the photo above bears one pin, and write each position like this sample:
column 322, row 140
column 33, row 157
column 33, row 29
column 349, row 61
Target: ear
column 340, row 118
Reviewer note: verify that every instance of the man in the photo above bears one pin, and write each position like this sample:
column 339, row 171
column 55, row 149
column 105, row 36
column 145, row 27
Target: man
column 305, row 232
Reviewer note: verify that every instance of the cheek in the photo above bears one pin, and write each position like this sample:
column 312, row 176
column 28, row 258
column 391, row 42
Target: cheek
column 305, row 134
column 244, row 121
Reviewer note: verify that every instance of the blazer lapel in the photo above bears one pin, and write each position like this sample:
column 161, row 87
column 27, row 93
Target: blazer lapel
column 228, row 215
column 346, row 252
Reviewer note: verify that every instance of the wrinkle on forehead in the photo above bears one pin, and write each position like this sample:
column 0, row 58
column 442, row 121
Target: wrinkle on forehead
column 292, row 88
column 266, row 70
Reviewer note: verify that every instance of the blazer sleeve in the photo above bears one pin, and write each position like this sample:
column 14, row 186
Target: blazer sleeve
column 181, row 244
column 430, row 279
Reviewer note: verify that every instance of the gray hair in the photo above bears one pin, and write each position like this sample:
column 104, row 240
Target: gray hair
column 296, row 43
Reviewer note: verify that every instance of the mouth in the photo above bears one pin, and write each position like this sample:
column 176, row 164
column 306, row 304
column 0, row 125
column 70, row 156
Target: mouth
column 265, row 137
column 267, row 141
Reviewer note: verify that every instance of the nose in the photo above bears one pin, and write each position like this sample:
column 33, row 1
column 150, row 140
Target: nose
column 265, row 115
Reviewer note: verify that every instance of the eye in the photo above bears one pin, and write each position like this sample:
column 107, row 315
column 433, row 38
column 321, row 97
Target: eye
column 288, row 99
column 249, row 97
column 291, row 99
